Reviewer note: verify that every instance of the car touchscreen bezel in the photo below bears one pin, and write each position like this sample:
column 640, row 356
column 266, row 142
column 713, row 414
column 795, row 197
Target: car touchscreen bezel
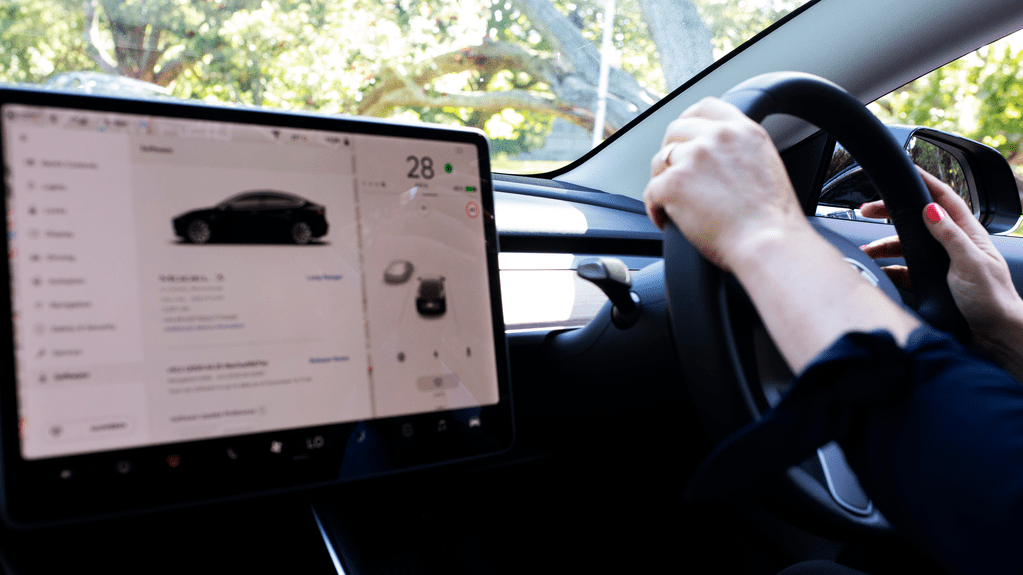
column 63, row 489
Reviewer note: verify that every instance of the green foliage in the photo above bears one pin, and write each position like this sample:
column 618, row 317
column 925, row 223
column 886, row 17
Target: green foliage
column 1000, row 95
column 635, row 51
column 979, row 96
column 521, row 131
column 328, row 55
column 39, row 38
column 732, row 23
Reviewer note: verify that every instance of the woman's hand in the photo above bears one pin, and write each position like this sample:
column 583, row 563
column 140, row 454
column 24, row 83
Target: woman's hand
column 977, row 276
column 719, row 177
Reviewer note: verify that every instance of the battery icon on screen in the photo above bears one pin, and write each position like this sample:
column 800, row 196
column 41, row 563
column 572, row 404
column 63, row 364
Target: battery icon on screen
column 470, row 189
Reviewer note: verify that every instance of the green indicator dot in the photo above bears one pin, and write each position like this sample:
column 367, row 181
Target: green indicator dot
column 470, row 189
column 448, row 168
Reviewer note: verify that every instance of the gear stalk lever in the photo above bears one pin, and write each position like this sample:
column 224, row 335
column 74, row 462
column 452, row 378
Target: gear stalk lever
column 612, row 276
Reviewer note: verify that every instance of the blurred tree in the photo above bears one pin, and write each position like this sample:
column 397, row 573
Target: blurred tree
column 506, row 66
column 999, row 91
column 38, row 38
column 156, row 40
column 732, row 23
column 542, row 58
column 682, row 55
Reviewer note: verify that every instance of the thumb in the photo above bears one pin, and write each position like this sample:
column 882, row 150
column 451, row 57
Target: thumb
column 955, row 241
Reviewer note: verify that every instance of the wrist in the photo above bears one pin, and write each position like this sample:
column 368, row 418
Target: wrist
column 1002, row 342
column 806, row 294
column 756, row 248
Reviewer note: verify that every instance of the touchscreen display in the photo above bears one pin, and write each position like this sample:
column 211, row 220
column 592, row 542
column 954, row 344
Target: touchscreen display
column 176, row 279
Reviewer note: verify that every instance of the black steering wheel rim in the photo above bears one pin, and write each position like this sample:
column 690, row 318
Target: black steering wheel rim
column 699, row 294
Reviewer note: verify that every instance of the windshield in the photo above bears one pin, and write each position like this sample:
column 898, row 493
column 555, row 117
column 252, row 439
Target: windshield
column 547, row 80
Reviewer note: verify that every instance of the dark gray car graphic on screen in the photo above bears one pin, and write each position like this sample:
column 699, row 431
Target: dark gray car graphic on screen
column 430, row 299
column 256, row 216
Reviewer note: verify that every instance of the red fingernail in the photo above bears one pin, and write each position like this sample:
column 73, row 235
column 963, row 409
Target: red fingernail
column 861, row 207
column 864, row 247
column 934, row 213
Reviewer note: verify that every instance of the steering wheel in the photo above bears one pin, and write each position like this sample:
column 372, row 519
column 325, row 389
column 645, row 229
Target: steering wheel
column 712, row 320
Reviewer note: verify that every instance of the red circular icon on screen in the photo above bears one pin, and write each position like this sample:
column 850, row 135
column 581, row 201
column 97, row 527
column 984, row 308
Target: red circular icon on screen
column 472, row 209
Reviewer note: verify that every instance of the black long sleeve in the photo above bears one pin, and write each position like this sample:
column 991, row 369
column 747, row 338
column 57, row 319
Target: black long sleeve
column 933, row 431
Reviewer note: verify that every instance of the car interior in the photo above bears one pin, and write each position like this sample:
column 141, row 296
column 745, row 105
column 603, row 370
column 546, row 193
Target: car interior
column 470, row 371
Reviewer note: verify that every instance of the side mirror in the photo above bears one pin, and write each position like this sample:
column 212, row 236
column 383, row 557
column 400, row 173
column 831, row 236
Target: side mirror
column 981, row 176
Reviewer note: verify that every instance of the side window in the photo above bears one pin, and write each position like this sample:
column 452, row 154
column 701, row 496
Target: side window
column 846, row 185
column 247, row 203
column 850, row 190
column 281, row 202
column 976, row 96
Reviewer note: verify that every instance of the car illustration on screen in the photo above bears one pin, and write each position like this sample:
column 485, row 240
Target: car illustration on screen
column 431, row 300
column 261, row 215
column 398, row 272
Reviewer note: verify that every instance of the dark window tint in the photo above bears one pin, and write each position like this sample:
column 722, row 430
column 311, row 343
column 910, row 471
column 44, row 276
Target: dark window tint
column 281, row 202
column 841, row 160
column 851, row 190
column 848, row 186
column 247, row 203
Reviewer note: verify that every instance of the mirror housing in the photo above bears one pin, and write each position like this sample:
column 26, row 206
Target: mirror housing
column 978, row 172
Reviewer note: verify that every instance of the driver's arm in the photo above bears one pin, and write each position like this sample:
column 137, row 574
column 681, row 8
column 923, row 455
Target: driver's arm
column 718, row 176
column 934, row 433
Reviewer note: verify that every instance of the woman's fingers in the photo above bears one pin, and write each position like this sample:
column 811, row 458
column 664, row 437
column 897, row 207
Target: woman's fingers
column 655, row 197
column 956, row 241
column 719, row 177
column 960, row 213
column 875, row 209
column 950, row 221
column 899, row 276
column 889, row 247
column 940, row 192
column 697, row 120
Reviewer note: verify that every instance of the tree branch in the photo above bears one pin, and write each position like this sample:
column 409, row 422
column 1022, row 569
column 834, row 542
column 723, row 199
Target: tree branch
column 171, row 70
column 394, row 91
column 568, row 43
column 570, row 95
column 683, row 40
column 489, row 58
column 91, row 36
column 152, row 52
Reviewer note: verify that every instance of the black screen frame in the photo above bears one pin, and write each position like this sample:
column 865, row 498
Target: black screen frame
column 40, row 492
